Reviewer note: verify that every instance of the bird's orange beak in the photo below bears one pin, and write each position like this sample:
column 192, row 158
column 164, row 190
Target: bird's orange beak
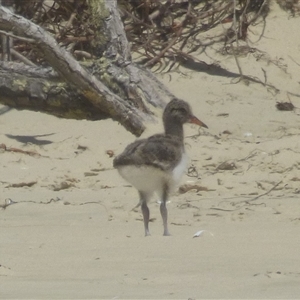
column 196, row 121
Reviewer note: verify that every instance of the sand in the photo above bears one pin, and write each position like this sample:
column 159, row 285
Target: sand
column 72, row 234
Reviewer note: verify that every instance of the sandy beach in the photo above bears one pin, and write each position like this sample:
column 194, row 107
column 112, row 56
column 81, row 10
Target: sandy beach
column 67, row 228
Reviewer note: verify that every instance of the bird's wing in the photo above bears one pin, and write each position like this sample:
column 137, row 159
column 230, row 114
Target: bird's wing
column 161, row 151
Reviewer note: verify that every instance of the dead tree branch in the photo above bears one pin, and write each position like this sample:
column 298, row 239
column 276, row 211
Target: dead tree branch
column 70, row 69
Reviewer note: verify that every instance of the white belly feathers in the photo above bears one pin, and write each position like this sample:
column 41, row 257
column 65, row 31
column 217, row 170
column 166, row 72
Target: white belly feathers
column 149, row 179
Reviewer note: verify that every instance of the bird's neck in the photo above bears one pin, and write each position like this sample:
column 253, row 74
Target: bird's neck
column 174, row 128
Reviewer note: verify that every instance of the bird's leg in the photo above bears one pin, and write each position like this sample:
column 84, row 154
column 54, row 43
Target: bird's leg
column 164, row 210
column 145, row 212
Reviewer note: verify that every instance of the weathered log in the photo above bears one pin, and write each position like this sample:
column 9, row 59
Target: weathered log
column 69, row 69
column 113, row 85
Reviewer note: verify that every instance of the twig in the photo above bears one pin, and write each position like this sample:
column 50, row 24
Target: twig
column 11, row 149
column 255, row 17
column 294, row 60
column 162, row 53
column 265, row 75
column 22, row 58
column 250, row 155
column 22, row 184
column 222, row 209
column 21, row 38
column 83, row 54
column 261, row 195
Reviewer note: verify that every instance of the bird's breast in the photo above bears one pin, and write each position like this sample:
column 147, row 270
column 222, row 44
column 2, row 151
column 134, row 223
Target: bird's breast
column 180, row 168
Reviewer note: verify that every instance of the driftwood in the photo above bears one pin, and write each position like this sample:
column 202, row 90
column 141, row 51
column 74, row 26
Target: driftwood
column 73, row 79
column 70, row 69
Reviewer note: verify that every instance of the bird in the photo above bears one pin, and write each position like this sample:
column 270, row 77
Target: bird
column 156, row 164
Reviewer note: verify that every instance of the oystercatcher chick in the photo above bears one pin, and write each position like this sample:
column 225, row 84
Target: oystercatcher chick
column 156, row 164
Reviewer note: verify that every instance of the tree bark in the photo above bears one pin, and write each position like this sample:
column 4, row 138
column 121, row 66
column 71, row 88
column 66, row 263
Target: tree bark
column 41, row 90
column 118, row 88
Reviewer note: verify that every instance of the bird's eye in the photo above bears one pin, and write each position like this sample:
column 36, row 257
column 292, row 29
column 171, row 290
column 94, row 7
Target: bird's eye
column 179, row 110
column 182, row 110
